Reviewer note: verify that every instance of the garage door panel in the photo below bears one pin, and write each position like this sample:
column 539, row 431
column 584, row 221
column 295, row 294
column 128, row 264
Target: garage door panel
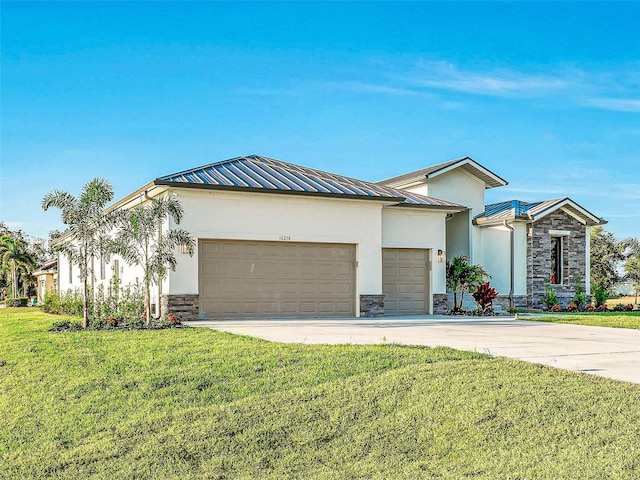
column 263, row 279
column 405, row 281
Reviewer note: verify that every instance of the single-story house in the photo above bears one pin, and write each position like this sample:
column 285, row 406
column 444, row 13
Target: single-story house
column 275, row 239
column 46, row 278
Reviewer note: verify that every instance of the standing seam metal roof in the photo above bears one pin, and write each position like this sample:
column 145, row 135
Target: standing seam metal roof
column 512, row 209
column 262, row 173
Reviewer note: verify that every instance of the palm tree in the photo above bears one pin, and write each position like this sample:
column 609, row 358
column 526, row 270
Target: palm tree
column 462, row 276
column 141, row 241
column 15, row 257
column 86, row 223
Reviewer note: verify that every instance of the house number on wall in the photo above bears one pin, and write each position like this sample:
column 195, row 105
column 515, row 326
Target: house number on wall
column 284, row 238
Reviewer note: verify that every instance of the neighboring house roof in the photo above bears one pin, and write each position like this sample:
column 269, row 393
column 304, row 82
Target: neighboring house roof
column 468, row 164
column 262, row 174
column 531, row 211
column 48, row 266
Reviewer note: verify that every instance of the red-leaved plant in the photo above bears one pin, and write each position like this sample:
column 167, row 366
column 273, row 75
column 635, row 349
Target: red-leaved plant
column 556, row 308
column 572, row 307
column 484, row 295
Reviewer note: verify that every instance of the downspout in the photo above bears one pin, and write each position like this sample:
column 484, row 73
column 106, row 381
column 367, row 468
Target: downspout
column 511, row 268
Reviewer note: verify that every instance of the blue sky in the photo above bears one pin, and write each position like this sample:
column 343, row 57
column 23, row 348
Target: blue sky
column 546, row 95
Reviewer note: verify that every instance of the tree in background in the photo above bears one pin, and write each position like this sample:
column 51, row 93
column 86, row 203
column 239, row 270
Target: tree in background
column 85, row 221
column 606, row 255
column 462, row 276
column 140, row 241
column 15, row 260
column 632, row 264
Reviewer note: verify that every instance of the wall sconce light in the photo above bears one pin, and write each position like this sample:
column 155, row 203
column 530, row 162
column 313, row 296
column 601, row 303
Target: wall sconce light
column 184, row 249
column 440, row 256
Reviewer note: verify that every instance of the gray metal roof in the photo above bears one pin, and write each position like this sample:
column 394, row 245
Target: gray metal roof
column 531, row 211
column 258, row 173
column 468, row 164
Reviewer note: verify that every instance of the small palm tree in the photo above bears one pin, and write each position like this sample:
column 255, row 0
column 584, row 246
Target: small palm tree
column 462, row 276
column 140, row 241
column 14, row 258
column 86, row 224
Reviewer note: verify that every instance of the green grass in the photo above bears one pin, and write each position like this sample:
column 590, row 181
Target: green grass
column 602, row 319
column 196, row 404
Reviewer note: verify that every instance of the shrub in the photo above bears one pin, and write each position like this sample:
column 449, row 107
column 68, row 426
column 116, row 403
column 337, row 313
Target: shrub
column 17, row 302
column 628, row 307
column 512, row 310
column 51, row 303
column 485, row 295
column 556, row 308
column 171, row 319
column 602, row 308
column 124, row 304
column 550, row 299
column 64, row 325
column 600, row 294
column 579, row 297
column 590, row 308
column 572, row 307
column 112, row 322
column 619, row 307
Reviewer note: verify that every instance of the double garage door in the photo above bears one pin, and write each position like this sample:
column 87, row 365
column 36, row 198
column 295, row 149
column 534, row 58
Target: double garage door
column 276, row 279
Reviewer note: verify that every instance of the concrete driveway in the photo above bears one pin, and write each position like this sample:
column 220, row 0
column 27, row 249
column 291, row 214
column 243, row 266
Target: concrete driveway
column 608, row 352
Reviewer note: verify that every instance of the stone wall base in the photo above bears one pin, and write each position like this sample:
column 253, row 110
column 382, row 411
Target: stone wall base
column 440, row 303
column 371, row 306
column 187, row 307
column 519, row 301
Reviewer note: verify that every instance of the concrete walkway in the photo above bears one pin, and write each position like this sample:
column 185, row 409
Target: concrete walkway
column 608, row 352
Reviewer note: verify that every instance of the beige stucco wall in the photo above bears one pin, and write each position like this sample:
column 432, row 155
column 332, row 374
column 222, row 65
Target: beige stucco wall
column 413, row 228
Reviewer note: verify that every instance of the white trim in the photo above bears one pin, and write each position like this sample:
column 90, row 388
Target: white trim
column 474, row 164
column 559, row 233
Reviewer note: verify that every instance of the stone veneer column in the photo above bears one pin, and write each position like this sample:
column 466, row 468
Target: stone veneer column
column 187, row 307
column 539, row 257
column 371, row 306
column 440, row 301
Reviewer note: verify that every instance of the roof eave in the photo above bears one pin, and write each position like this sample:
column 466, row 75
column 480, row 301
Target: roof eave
column 446, row 208
column 589, row 218
column 495, row 180
column 491, row 222
column 232, row 188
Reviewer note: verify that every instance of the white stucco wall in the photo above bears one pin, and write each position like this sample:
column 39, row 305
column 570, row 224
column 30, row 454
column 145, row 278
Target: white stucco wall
column 273, row 217
column 458, row 186
column 458, row 235
column 413, row 228
column 495, row 256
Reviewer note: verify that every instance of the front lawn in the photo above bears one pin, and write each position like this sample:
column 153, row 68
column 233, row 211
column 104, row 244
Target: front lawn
column 601, row 319
column 194, row 403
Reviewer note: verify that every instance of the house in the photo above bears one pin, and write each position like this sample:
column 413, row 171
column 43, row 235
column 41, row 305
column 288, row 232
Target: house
column 275, row 239
column 46, row 278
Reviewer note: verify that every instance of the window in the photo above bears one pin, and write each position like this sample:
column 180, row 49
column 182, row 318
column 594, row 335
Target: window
column 116, row 271
column 557, row 258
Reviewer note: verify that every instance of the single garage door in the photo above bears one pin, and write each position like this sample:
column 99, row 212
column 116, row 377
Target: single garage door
column 405, row 281
column 276, row 279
